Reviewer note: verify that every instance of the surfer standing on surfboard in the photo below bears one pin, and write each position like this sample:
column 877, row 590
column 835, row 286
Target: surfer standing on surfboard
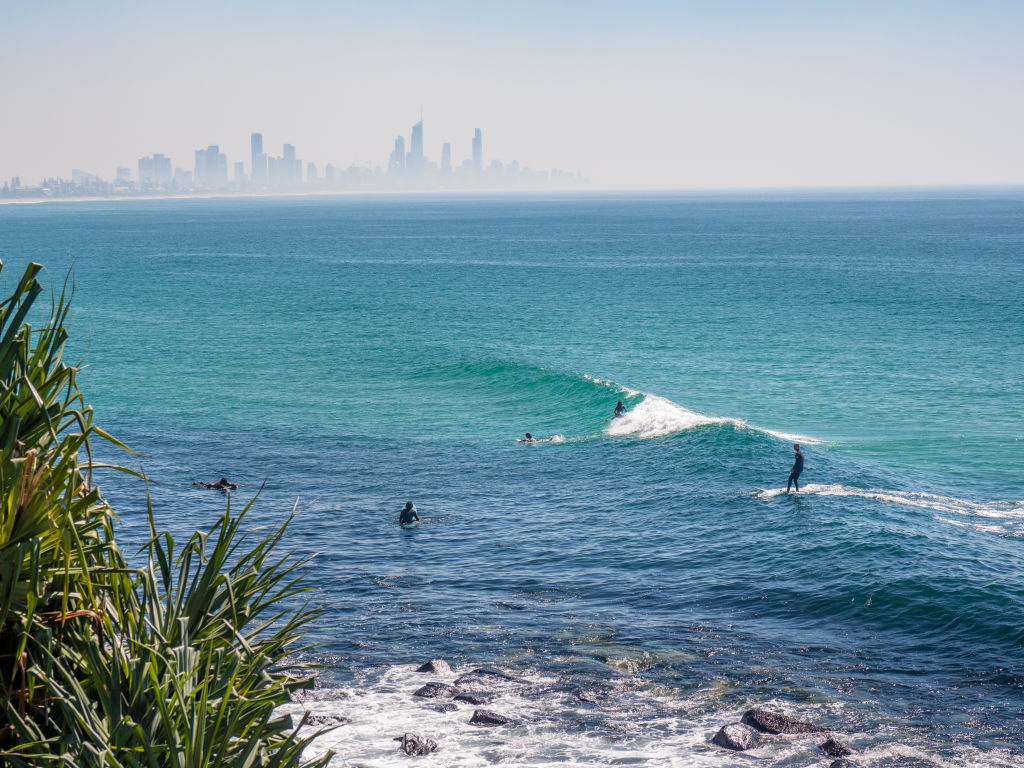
column 620, row 409
column 798, row 467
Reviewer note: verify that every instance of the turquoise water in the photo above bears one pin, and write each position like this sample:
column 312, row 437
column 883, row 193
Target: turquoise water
column 357, row 352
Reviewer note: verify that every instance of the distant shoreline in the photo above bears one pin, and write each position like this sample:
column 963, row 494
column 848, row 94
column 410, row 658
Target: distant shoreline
column 933, row 190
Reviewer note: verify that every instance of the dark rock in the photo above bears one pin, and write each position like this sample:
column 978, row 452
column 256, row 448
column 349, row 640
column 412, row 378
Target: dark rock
column 436, row 691
column 436, row 667
column 472, row 683
column 492, row 672
column 835, row 748
column 771, row 722
column 484, row 717
column 736, row 736
column 843, row 762
column 476, row 697
column 589, row 696
column 327, row 721
column 415, row 745
column 447, row 706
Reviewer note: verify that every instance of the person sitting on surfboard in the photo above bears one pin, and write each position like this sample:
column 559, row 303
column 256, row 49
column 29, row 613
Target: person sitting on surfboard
column 798, row 467
column 408, row 514
column 620, row 409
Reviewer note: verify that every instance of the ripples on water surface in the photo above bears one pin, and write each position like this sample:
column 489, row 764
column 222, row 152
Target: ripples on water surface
column 647, row 578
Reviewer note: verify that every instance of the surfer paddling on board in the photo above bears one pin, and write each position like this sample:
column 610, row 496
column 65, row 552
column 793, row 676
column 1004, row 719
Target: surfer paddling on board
column 798, row 467
column 408, row 514
column 620, row 410
column 531, row 439
column 220, row 485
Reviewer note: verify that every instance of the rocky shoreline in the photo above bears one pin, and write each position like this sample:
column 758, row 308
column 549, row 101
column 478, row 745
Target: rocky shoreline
column 480, row 686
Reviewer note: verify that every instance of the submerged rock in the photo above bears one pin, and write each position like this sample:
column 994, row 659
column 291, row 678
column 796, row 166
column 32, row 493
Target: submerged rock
column 772, row 722
column 844, row 762
column 447, row 706
column 415, row 745
column 436, row 691
column 492, row 672
column 589, row 695
column 437, row 667
column 835, row 748
column 476, row 697
column 736, row 736
column 485, row 717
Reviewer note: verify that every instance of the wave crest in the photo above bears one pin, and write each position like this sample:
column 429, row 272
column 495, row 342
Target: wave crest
column 656, row 416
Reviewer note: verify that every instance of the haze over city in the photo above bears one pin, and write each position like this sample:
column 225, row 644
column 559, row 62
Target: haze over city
column 649, row 95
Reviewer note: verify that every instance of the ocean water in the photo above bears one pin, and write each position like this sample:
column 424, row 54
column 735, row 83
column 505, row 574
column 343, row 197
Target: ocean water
column 644, row 579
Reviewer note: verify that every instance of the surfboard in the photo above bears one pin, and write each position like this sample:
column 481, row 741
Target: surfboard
column 412, row 524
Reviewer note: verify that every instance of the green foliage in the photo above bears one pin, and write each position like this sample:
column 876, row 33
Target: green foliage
column 178, row 664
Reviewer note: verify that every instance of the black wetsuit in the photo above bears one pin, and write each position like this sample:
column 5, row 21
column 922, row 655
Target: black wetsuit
column 794, row 473
column 408, row 515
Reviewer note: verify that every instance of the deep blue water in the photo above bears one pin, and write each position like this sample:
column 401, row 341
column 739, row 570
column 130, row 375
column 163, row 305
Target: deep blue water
column 357, row 352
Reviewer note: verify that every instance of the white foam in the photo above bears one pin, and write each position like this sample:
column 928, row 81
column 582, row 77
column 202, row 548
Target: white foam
column 658, row 416
column 612, row 385
column 1011, row 513
column 632, row 724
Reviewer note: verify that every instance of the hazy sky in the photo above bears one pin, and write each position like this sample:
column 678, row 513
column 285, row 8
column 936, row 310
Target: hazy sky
column 631, row 94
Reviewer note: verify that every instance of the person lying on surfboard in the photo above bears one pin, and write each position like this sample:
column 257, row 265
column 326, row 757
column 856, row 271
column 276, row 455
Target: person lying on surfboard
column 531, row 439
column 408, row 514
column 220, row 485
column 620, row 409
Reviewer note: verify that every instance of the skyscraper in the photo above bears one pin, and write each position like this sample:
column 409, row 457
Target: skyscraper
column 259, row 161
column 478, row 151
column 162, row 174
column 147, row 177
column 446, row 158
column 396, row 163
column 199, row 177
column 414, row 167
column 215, row 168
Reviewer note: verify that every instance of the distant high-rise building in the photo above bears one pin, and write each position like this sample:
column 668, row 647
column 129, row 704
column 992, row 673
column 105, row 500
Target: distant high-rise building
column 415, row 162
column 147, row 175
column 214, row 167
column 396, row 164
column 239, row 174
column 446, row 158
column 310, row 173
column 182, row 179
column 199, row 178
column 259, row 161
column 478, row 151
column 124, row 176
column 162, row 171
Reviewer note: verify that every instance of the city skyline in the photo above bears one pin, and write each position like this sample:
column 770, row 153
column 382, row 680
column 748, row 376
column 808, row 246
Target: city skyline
column 412, row 170
column 656, row 94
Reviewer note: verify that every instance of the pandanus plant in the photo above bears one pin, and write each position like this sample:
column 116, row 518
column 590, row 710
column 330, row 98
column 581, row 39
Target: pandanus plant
column 180, row 659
